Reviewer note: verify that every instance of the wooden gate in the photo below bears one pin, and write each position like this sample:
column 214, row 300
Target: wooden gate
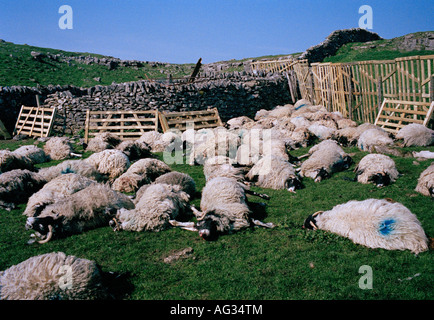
column 35, row 121
column 194, row 119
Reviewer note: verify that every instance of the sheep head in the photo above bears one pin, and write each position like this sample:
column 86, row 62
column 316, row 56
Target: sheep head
column 208, row 227
column 310, row 222
column 45, row 227
column 381, row 179
column 293, row 183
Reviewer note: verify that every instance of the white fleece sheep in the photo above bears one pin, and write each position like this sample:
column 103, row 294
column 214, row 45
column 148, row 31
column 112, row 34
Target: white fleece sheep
column 143, row 171
column 103, row 141
column 274, row 172
column 16, row 186
column 110, row 162
column 373, row 137
column 185, row 181
column 59, row 148
column 135, row 149
column 377, row 168
column 34, row 153
column 52, row 276
column 89, row 208
column 416, row 135
column 373, row 223
column 221, row 166
column 154, row 210
column 425, row 183
column 81, row 167
column 325, row 161
column 238, row 122
column 55, row 190
column 11, row 161
column 225, row 208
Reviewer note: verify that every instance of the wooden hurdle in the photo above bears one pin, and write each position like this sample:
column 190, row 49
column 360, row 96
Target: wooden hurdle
column 128, row 125
column 195, row 119
column 395, row 114
column 35, row 121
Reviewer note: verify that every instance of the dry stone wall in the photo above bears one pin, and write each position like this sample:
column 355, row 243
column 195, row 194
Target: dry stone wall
column 233, row 94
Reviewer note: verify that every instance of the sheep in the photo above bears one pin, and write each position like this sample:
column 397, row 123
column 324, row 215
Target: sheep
column 89, row 208
column 224, row 209
column 81, row 167
column 16, row 186
column 59, row 148
column 34, row 153
column 103, row 141
column 349, row 135
column 325, row 161
column 425, row 183
column 143, row 171
column 150, row 137
column 377, row 168
column 373, row 137
column 375, row 223
column 275, row 173
column 135, row 149
column 416, row 135
column 221, row 166
column 185, row 181
column 11, row 161
column 157, row 209
column 238, row 122
column 321, row 131
column 53, row 276
column 55, row 190
column 110, row 162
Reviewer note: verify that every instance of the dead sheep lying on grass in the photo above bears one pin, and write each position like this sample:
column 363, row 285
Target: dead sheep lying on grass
column 328, row 157
column 34, row 153
column 110, row 162
column 44, row 277
column 89, row 208
column 135, row 149
column 425, row 183
column 55, row 190
column 224, row 209
column 276, row 173
column 373, row 223
column 103, row 141
column 157, row 208
column 378, row 169
column 143, row 171
column 11, row 161
column 16, row 186
column 185, row 181
column 416, row 135
column 59, row 148
column 222, row 166
column 81, row 167
column 371, row 138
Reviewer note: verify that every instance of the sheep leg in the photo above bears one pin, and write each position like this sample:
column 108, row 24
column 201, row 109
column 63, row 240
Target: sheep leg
column 260, row 195
column 263, row 224
column 198, row 214
column 183, row 225
column 77, row 155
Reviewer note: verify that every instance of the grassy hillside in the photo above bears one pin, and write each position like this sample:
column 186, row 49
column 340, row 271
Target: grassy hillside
column 286, row 262
column 18, row 67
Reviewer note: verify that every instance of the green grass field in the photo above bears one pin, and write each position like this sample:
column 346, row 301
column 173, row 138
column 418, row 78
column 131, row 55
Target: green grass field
column 286, row 262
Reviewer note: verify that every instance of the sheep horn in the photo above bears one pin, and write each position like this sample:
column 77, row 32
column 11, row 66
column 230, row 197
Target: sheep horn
column 48, row 236
column 317, row 213
column 313, row 225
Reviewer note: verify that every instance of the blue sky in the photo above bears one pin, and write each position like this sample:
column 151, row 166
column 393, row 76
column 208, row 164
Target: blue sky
column 181, row 31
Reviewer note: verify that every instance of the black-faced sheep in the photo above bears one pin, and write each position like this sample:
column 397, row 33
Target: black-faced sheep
column 135, row 149
column 425, row 183
column 325, row 161
column 110, row 162
column 53, row 276
column 373, row 137
column 275, row 173
column 89, row 208
column 373, row 223
column 55, row 190
column 157, row 208
column 221, row 166
column 225, row 209
column 378, row 169
column 416, row 135
column 34, row 153
column 16, row 186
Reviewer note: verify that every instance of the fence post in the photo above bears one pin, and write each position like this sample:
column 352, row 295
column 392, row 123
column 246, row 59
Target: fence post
column 380, row 91
column 350, row 98
column 431, row 89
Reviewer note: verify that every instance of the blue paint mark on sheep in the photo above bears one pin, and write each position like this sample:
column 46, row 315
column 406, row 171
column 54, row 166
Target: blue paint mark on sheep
column 386, row 227
column 300, row 106
column 67, row 170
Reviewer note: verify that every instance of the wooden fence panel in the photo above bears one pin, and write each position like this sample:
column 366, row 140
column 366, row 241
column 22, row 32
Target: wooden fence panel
column 128, row 125
column 35, row 121
column 190, row 119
